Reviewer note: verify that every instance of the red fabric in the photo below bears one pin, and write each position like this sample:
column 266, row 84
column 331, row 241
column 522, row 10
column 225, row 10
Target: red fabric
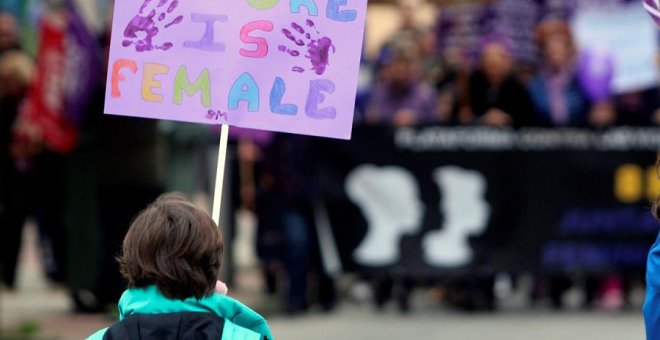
column 45, row 102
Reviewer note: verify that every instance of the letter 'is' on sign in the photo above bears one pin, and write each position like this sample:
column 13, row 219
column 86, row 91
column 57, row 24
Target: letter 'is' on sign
column 278, row 65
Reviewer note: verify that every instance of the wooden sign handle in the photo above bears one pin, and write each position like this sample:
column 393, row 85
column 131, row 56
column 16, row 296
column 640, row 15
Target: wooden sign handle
column 220, row 173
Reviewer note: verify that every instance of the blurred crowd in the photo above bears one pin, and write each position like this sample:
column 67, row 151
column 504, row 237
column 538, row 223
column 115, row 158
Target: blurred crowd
column 82, row 176
column 417, row 79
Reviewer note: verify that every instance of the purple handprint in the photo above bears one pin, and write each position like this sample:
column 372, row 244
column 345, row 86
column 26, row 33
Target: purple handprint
column 141, row 30
column 318, row 50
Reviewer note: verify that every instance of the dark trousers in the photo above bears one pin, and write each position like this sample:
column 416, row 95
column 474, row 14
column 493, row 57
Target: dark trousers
column 13, row 211
column 40, row 193
column 287, row 235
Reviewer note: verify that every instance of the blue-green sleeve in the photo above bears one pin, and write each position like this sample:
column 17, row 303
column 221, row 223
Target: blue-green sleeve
column 98, row 335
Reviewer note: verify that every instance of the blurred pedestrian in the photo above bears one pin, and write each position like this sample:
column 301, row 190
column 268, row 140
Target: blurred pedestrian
column 566, row 92
column 287, row 237
column 121, row 166
column 443, row 72
column 401, row 96
column 16, row 73
column 131, row 168
column 639, row 108
column 558, row 97
column 8, row 32
column 46, row 133
column 496, row 97
column 450, row 77
column 409, row 28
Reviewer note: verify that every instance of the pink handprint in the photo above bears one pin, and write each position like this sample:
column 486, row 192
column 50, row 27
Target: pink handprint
column 318, row 49
column 142, row 29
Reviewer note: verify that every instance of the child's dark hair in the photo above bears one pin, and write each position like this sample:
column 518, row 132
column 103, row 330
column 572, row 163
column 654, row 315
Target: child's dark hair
column 174, row 245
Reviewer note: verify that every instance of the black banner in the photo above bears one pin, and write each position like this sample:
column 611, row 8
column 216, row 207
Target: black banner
column 438, row 199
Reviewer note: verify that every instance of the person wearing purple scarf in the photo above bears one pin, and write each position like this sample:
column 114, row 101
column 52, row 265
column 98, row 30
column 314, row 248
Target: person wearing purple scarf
column 558, row 98
column 401, row 97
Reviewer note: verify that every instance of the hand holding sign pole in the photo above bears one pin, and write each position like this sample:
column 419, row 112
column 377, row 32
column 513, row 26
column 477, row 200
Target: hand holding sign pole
column 286, row 66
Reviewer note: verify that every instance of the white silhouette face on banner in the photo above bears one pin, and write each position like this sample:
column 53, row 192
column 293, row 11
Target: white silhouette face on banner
column 389, row 200
column 466, row 212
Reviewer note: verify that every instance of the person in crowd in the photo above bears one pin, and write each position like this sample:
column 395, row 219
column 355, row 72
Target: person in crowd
column 287, row 239
column 8, row 32
column 188, row 165
column 450, row 77
column 558, row 98
column 171, row 258
column 444, row 71
column 43, row 136
column 638, row 108
column 427, row 45
column 130, row 170
column 120, row 166
column 561, row 98
column 401, row 97
column 16, row 73
column 495, row 96
column 409, row 29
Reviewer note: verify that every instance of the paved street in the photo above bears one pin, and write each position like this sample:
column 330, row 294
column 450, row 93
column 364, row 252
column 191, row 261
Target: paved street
column 360, row 322
column 363, row 324
column 35, row 301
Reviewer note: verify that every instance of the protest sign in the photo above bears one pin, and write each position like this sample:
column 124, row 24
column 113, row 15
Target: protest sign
column 632, row 42
column 288, row 66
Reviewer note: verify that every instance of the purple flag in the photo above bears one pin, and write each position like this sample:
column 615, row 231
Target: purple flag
column 82, row 66
column 596, row 72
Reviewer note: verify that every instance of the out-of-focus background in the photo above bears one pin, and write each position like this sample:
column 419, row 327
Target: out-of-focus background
column 498, row 183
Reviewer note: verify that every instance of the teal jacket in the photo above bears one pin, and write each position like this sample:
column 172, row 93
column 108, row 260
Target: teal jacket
column 652, row 303
column 241, row 322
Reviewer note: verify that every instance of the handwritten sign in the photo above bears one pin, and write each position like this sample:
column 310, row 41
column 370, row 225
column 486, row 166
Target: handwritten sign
column 632, row 43
column 278, row 65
